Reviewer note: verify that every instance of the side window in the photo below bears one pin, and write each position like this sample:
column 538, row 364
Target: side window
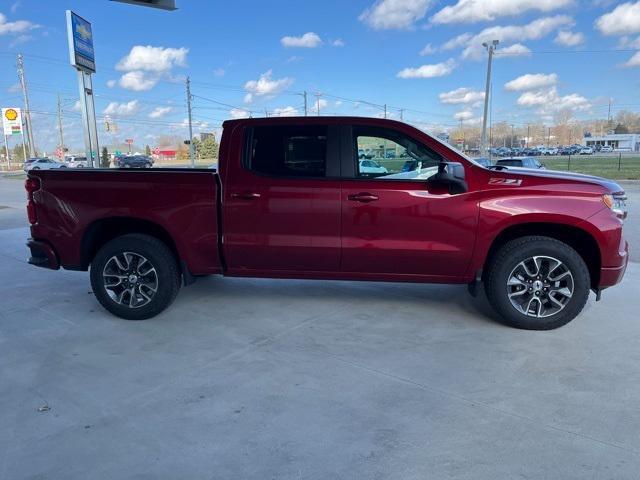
column 283, row 151
column 389, row 155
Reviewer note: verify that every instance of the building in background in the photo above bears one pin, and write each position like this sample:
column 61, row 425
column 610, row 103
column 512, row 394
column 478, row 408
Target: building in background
column 621, row 142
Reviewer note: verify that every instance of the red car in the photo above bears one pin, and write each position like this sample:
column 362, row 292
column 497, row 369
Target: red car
column 289, row 201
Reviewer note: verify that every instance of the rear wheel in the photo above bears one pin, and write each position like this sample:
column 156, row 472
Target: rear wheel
column 135, row 276
column 537, row 283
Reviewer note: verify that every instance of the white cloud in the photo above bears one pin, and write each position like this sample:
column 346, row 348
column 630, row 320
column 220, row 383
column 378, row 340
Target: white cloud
column 338, row 42
column 633, row 61
column 77, row 106
column 464, row 115
column 461, row 96
column 457, row 42
column 219, row 72
column 569, row 39
column 515, row 50
column 236, row 113
column 534, row 30
column 153, row 59
column 19, row 26
column 550, row 101
column 265, row 86
column 532, row 81
column 308, row 40
column 287, row 111
column 122, row 109
column 622, row 20
column 138, row 81
column 15, row 6
column 427, row 50
column 626, row 42
column 160, row 112
column 394, row 14
column 111, row 83
column 471, row 11
column 318, row 102
column 429, row 71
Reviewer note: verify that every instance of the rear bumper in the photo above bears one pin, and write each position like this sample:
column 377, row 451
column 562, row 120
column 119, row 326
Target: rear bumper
column 42, row 255
column 610, row 276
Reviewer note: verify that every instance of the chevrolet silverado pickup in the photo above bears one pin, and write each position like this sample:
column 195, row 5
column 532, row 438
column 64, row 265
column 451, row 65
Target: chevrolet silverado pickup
column 290, row 198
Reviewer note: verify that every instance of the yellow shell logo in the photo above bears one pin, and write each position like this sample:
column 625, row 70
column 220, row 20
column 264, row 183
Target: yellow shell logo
column 11, row 114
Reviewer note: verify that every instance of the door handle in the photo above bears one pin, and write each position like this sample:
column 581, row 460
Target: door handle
column 363, row 197
column 246, row 195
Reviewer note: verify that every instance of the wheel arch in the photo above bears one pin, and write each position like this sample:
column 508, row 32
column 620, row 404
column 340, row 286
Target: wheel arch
column 577, row 238
column 104, row 230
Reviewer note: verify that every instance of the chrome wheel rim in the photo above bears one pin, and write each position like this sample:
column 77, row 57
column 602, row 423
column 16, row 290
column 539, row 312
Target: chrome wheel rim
column 130, row 279
column 540, row 286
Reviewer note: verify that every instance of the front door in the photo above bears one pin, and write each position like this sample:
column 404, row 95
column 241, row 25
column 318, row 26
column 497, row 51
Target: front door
column 282, row 201
column 392, row 223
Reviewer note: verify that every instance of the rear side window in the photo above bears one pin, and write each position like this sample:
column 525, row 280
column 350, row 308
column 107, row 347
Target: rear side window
column 510, row 163
column 289, row 151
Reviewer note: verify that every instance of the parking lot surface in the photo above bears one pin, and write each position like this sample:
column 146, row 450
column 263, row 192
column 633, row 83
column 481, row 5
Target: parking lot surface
column 260, row 379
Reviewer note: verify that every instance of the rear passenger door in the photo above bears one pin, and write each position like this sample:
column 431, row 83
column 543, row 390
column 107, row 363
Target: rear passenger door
column 282, row 200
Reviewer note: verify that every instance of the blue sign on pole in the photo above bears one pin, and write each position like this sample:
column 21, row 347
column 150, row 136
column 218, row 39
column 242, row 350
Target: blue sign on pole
column 81, row 51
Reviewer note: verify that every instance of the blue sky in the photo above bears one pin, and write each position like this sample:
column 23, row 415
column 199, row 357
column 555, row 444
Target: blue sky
column 421, row 55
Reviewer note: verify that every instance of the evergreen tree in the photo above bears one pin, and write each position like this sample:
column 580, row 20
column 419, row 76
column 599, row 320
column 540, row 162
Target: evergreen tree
column 104, row 160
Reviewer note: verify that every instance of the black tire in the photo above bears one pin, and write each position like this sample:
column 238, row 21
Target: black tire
column 504, row 262
column 161, row 258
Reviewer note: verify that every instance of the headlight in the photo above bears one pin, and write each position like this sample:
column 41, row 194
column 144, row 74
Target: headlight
column 617, row 203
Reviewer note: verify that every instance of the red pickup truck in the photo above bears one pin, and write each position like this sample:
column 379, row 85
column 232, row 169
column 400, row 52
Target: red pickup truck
column 334, row 198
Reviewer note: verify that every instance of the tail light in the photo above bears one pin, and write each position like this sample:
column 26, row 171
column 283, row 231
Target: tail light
column 31, row 185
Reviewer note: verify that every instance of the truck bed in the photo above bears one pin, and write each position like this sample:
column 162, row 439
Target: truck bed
column 180, row 205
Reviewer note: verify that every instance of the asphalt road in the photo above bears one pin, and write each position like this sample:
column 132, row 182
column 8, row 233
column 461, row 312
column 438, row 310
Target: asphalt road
column 283, row 379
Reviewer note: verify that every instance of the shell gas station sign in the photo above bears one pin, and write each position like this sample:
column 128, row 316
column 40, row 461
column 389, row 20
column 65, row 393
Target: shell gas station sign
column 12, row 121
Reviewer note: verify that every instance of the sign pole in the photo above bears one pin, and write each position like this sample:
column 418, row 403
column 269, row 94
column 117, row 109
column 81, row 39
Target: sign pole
column 85, row 117
column 6, row 149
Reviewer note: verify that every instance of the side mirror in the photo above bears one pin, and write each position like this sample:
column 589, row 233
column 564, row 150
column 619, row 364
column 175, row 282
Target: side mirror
column 450, row 176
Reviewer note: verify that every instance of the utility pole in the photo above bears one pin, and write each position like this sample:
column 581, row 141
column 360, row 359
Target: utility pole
column 304, row 94
column 549, row 137
column 491, row 48
column 528, row 131
column 27, row 112
column 60, row 128
column 192, row 156
column 318, row 95
column 402, row 114
column 512, row 135
column 385, row 110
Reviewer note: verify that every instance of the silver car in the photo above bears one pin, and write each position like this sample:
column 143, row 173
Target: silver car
column 42, row 164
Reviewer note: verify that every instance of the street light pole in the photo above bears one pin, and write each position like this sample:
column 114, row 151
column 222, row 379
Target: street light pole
column 491, row 48
column 192, row 156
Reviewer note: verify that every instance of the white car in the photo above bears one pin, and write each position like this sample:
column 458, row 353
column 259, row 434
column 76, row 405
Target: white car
column 606, row 149
column 77, row 162
column 586, row 151
column 42, row 164
column 371, row 166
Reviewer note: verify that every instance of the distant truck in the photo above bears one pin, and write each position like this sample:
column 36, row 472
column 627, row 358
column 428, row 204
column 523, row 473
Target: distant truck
column 291, row 199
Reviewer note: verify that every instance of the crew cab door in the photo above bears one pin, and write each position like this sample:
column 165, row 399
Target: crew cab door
column 392, row 221
column 282, row 199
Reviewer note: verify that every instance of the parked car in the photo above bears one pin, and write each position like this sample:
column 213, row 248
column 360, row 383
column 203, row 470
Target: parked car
column 606, row 149
column 74, row 161
column 484, row 161
column 371, row 167
column 586, row 151
column 550, row 151
column 42, row 164
column 288, row 201
column 521, row 162
column 134, row 161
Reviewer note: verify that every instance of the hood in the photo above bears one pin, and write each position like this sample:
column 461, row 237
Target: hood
column 609, row 185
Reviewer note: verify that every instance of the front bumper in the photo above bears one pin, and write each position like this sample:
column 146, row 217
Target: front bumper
column 610, row 276
column 42, row 255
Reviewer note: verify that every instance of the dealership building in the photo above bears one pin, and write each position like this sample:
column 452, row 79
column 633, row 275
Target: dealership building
column 625, row 142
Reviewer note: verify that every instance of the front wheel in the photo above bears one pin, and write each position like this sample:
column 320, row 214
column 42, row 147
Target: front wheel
column 135, row 276
column 537, row 283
